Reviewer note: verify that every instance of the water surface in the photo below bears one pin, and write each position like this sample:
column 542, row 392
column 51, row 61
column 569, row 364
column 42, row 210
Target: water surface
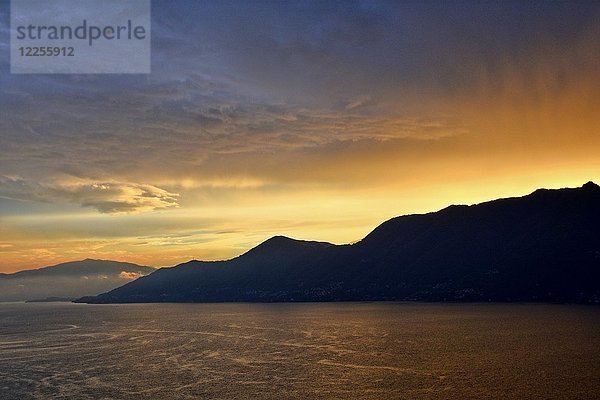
column 299, row 351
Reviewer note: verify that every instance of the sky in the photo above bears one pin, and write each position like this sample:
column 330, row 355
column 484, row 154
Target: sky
column 313, row 119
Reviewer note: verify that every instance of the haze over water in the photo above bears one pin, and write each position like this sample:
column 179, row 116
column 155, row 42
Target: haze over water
column 303, row 351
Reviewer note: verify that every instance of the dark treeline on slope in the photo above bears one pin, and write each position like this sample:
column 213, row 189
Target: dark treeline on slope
column 541, row 247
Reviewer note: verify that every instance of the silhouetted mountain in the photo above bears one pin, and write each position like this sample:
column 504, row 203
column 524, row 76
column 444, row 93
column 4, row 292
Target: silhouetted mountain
column 540, row 247
column 68, row 280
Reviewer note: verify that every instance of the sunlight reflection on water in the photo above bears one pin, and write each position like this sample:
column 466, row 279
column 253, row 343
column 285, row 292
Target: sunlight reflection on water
column 275, row 351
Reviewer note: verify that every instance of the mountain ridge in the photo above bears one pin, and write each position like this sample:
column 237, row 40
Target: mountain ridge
column 544, row 246
column 77, row 267
column 71, row 279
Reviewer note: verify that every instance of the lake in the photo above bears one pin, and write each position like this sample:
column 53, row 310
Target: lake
column 299, row 351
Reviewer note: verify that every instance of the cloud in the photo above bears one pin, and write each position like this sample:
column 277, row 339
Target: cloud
column 305, row 79
column 130, row 275
column 184, row 132
column 120, row 197
column 106, row 197
column 357, row 102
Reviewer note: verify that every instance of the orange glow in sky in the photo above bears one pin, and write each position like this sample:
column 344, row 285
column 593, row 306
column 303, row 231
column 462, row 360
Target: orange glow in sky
column 286, row 129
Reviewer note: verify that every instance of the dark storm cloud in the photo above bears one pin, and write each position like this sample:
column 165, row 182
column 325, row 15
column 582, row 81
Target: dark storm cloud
column 235, row 84
column 332, row 49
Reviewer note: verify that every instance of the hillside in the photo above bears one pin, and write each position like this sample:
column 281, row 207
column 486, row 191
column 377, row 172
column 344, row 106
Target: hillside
column 541, row 247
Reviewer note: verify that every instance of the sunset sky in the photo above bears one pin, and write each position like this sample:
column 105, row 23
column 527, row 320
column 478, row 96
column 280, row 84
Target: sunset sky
column 315, row 120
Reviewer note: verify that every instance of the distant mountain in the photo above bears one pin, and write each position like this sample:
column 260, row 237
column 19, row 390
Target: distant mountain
column 52, row 300
column 69, row 280
column 541, row 247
